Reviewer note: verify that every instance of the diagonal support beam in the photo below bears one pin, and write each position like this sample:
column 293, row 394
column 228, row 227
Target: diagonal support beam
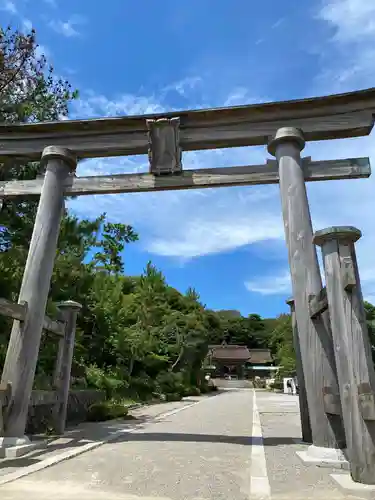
column 351, row 168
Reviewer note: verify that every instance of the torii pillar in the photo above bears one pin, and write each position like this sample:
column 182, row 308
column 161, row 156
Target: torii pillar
column 315, row 338
column 22, row 354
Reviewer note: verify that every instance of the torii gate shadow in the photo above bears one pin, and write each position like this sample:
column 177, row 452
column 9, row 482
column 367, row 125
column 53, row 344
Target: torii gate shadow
column 208, row 438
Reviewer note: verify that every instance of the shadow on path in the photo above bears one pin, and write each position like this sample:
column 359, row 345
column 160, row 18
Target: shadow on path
column 206, row 438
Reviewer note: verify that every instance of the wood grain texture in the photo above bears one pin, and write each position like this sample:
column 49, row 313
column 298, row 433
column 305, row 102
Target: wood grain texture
column 4, row 395
column 321, row 118
column 350, row 168
column 352, row 350
column 366, row 403
column 23, row 347
column 69, row 311
column 53, row 327
column 164, row 152
column 318, row 303
column 314, row 335
column 331, row 400
column 348, row 274
column 11, row 310
column 302, row 395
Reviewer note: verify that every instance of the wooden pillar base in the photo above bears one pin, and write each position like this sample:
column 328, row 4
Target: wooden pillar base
column 18, row 447
column 350, row 487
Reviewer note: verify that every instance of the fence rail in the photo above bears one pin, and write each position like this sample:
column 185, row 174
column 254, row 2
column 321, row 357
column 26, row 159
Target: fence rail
column 19, row 312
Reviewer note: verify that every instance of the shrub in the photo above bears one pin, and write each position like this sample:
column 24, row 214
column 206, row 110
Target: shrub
column 192, row 391
column 104, row 380
column 171, row 383
column 173, row 396
column 106, row 410
column 142, row 387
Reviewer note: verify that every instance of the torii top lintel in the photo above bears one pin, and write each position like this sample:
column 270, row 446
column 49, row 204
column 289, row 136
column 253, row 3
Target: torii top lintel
column 320, row 118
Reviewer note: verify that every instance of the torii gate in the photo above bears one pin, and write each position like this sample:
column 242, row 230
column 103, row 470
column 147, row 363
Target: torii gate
column 284, row 127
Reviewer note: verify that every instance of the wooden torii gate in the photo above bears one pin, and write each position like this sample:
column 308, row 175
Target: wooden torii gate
column 282, row 126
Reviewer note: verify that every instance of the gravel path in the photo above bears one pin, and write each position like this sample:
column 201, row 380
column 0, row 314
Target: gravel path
column 210, row 450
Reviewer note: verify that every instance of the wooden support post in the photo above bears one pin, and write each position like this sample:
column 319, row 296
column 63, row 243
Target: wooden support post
column 352, row 347
column 69, row 312
column 314, row 334
column 302, row 396
column 23, row 348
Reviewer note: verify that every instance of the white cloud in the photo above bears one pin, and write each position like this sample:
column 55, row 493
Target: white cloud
column 96, row 105
column 352, row 20
column 240, row 96
column 204, row 236
column 278, row 23
column 348, row 56
column 184, row 86
column 271, row 285
column 27, row 25
column 347, row 63
column 188, row 224
column 67, row 28
column 9, row 6
column 182, row 224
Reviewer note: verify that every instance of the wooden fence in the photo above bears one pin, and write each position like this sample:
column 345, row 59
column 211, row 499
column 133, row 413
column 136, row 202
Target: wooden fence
column 63, row 329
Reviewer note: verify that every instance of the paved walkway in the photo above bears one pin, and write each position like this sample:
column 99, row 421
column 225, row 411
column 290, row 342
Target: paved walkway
column 206, row 448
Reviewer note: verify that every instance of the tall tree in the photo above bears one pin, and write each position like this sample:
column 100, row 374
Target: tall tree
column 29, row 92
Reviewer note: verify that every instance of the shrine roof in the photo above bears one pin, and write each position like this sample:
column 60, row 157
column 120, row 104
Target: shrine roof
column 240, row 353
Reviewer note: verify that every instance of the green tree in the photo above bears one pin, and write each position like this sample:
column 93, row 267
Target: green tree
column 29, row 91
column 114, row 238
column 281, row 344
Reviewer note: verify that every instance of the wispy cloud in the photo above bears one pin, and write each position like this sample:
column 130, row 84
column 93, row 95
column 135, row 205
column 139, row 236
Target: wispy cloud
column 271, row 285
column 188, row 224
column 347, row 64
column 96, row 105
column 217, row 232
column 352, row 20
column 184, row 86
column 9, row 6
column 183, row 224
column 27, row 25
column 240, row 96
column 278, row 23
column 69, row 28
column 349, row 54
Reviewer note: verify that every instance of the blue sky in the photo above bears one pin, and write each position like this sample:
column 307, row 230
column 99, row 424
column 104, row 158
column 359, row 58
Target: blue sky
column 139, row 57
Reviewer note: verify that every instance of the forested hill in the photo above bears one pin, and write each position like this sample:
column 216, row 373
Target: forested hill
column 134, row 334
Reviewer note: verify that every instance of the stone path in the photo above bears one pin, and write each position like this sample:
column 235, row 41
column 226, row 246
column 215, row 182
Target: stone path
column 238, row 445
